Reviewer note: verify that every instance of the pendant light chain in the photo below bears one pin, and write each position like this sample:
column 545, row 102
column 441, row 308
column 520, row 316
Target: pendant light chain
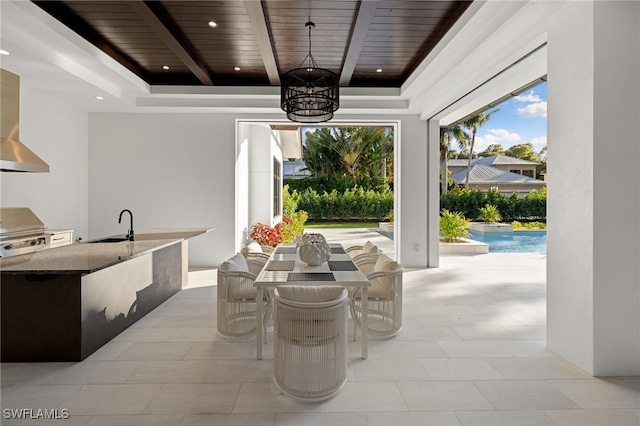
column 311, row 60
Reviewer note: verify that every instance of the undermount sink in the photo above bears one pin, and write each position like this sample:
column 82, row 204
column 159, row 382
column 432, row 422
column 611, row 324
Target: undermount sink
column 110, row 240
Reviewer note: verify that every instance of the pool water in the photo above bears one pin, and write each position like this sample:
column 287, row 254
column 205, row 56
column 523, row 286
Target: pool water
column 518, row 242
column 389, row 235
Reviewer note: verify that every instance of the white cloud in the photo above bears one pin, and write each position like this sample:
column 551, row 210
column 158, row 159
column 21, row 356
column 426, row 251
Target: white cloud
column 529, row 97
column 483, row 142
column 504, row 135
column 539, row 143
column 495, row 136
column 537, row 109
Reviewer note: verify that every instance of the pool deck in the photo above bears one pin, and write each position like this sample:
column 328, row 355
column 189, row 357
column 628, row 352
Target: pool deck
column 472, row 351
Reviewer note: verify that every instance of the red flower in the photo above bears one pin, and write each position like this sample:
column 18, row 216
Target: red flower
column 265, row 235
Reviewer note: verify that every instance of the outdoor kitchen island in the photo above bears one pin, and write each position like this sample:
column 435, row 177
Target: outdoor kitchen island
column 62, row 304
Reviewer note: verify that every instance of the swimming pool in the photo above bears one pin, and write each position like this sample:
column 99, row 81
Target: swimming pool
column 518, row 242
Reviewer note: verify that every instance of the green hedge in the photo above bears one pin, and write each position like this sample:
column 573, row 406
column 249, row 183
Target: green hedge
column 328, row 184
column 362, row 204
column 532, row 206
column 354, row 203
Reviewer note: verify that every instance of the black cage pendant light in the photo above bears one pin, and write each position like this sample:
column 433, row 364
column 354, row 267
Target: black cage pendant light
column 309, row 94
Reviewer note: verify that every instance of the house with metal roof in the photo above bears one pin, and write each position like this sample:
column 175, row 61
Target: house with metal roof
column 505, row 173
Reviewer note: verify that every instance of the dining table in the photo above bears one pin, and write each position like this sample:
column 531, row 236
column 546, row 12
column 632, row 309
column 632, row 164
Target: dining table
column 285, row 267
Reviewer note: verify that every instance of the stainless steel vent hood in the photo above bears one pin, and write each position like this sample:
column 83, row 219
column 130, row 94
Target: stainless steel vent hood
column 14, row 155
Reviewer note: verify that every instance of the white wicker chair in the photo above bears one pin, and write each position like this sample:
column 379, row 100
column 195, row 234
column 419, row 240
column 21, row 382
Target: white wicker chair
column 237, row 297
column 310, row 341
column 384, row 296
column 257, row 251
column 366, row 248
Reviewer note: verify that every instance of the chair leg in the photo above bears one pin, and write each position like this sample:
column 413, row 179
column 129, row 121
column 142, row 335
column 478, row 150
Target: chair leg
column 265, row 320
column 355, row 328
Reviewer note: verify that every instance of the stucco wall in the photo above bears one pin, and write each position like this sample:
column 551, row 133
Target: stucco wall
column 179, row 170
column 570, row 197
column 616, row 272
column 57, row 133
column 593, row 213
column 170, row 170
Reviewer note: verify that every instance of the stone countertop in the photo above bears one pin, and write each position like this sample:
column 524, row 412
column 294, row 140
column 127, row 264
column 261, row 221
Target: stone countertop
column 85, row 258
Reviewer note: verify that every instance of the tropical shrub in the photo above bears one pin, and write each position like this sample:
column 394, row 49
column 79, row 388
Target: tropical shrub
column 489, row 214
column 291, row 226
column 293, row 220
column 354, row 203
column 327, row 184
column 283, row 232
column 528, row 225
column 289, row 201
column 469, row 202
column 453, row 226
column 264, row 234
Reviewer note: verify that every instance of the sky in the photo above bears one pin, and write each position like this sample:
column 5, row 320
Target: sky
column 521, row 119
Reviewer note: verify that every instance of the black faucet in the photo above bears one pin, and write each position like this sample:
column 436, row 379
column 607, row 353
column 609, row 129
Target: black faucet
column 130, row 231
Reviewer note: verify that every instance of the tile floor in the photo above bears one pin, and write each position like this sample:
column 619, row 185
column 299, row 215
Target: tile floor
column 472, row 352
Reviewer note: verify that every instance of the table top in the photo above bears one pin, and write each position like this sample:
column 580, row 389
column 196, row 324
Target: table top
column 287, row 268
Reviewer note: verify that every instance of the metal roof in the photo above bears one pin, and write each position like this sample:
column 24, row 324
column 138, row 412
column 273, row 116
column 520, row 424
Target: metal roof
column 488, row 174
column 494, row 160
column 458, row 162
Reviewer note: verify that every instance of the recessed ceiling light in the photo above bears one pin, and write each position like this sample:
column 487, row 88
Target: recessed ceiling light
column 379, row 70
column 236, row 68
column 99, row 98
column 3, row 52
column 165, row 67
column 213, row 24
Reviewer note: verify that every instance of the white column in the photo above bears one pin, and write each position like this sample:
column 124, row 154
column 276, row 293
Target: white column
column 433, row 193
column 616, row 271
column 593, row 278
column 412, row 172
column 260, row 175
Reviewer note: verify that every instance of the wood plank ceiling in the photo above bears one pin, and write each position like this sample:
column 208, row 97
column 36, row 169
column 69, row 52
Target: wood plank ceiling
column 255, row 41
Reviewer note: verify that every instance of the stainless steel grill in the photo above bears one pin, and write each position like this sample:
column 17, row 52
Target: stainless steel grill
column 21, row 232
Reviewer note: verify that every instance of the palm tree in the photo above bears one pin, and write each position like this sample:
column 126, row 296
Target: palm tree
column 473, row 124
column 350, row 143
column 356, row 151
column 319, row 159
column 377, row 155
column 446, row 135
